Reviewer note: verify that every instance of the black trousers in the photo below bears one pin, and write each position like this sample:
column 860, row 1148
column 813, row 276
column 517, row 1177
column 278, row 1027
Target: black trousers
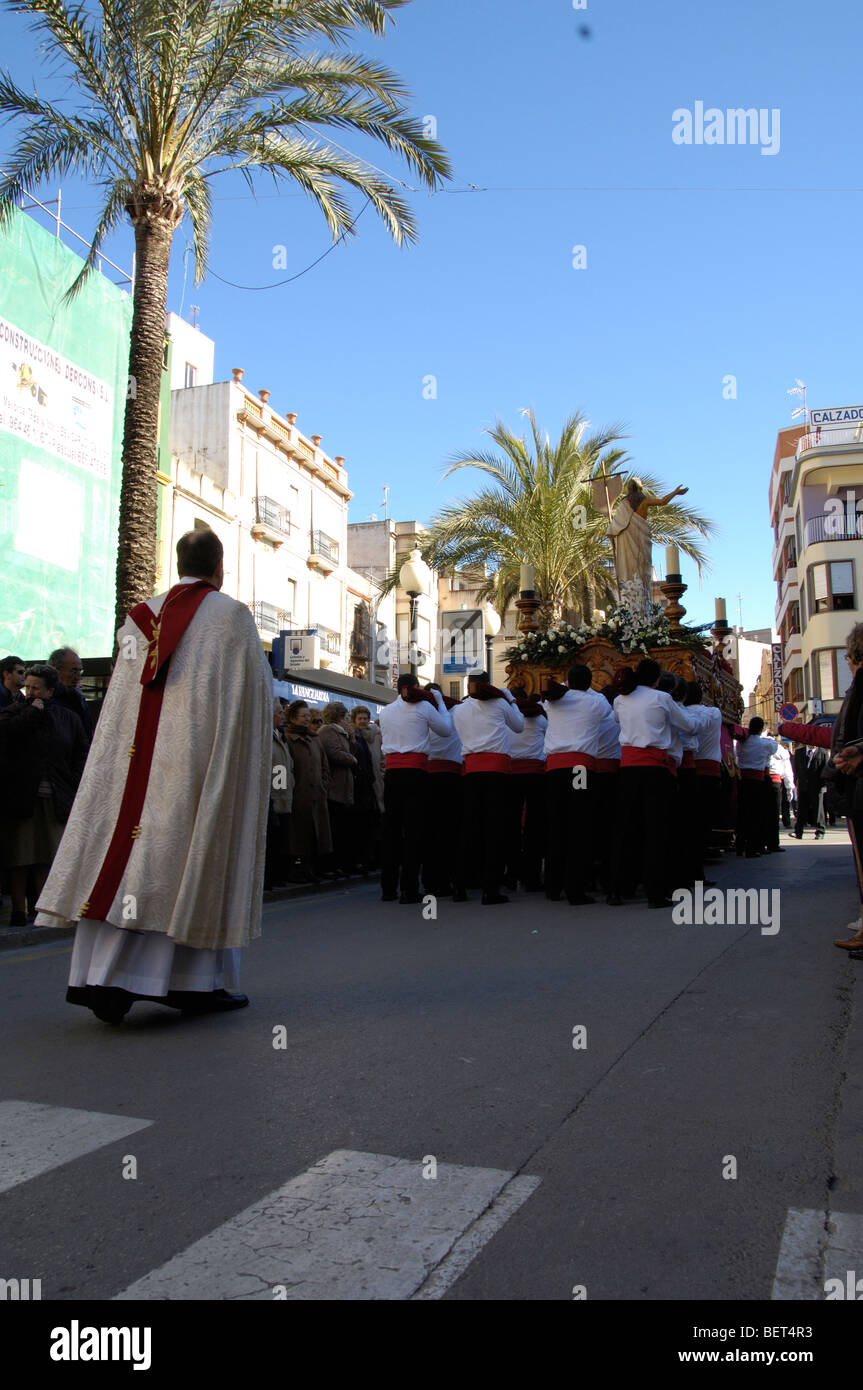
column 604, row 786
column 482, row 848
column 771, row 814
column 526, row 828
column 750, row 815
column 405, row 815
column 443, row 829
column 644, row 805
column 810, row 810
column 686, row 831
column 569, row 851
column 708, row 795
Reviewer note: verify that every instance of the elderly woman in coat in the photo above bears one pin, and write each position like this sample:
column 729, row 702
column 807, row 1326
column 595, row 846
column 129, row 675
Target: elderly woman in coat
column 309, row 836
column 281, row 799
column 337, row 744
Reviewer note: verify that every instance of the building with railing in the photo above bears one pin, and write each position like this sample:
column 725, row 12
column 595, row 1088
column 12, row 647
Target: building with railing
column 278, row 503
column 816, row 510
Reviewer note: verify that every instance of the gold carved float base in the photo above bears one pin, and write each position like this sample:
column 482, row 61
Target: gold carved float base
column 719, row 686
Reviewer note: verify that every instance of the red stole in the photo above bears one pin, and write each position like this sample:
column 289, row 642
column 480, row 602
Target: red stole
column 163, row 634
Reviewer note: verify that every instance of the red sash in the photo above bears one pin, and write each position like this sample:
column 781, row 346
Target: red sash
column 487, row 762
column 163, row 633
column 688, row 760
column 647, row 757
column 525, row 766
column 708, row 767
column 752, row 774
column 398, row 761
column 554, row 761
column 443, row 765
column 607, row 765
column 774, row 777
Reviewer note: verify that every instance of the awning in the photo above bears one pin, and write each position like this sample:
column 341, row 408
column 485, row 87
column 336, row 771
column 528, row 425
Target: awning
column 322, row 687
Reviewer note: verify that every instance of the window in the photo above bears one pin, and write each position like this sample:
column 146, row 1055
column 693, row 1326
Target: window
column 798, row 530
column 831, row 673
column 806, row 683
column 831, row 588
column 190, row 376
column 455, row 690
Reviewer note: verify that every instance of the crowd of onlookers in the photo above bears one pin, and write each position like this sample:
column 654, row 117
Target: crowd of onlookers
column 327, row 795
column 325, row 804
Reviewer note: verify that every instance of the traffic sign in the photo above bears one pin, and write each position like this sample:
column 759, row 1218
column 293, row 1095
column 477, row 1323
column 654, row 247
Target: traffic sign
column 789, row 712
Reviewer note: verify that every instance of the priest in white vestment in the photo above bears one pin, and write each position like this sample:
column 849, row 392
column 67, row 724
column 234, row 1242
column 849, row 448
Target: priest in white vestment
column 162, row 860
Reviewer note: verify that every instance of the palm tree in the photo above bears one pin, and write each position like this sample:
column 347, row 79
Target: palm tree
column 540, row 511
column 182, row 90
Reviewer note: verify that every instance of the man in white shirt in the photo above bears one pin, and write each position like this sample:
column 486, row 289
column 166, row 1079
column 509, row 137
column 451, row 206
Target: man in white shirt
column 406, row 726
column 576, row 718
column 444, row 798
column 483, row 722
column 708, row 766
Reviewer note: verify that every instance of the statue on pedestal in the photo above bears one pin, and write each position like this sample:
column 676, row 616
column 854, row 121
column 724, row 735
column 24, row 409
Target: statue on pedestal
column 629, row 533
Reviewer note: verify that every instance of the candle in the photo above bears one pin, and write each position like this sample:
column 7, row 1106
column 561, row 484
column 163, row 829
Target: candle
column 719, row 605
column 527, row 581
column 672, row 560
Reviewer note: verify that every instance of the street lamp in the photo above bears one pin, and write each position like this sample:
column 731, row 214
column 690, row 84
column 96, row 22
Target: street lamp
column 492, row 628
column 414, row 577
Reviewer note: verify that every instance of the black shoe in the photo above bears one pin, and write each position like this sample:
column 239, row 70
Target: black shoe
column 819, row 834
column 753, row 854
column 552, row 897
column 18, row 918
column 108, row 1004
column 660, row 902
column 511, row 884
column 614, row 900
column 215, row 1002
column 492, row 899
column 389, row 897
column 580, row 900
column 410, row 898
column 459, row 896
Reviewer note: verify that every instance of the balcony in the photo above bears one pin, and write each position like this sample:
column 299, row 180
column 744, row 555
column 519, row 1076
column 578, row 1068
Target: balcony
column 272, row 522
column 324, row 554
column 824, row 437
column 832, row 528
column 269, row 618
column 331, row 642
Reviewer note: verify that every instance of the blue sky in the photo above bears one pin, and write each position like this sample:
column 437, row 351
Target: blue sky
column 703, row 261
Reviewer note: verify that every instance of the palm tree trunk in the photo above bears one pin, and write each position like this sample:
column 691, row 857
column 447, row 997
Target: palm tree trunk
column 154, row 221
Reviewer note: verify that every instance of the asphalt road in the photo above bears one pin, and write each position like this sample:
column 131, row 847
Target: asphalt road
column 708, row 1050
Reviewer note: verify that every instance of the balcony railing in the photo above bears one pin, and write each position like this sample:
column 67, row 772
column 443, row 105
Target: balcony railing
column 323, row 544
column 269, row 513
column 832, row 528
column 330, row 641
column 269, row 618
column 824, row 437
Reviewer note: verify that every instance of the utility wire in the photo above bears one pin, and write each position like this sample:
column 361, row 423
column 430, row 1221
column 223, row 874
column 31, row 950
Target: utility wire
column 278, row 283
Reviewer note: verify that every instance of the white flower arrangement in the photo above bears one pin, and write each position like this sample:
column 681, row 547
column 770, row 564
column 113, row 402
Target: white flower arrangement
column 629, row 628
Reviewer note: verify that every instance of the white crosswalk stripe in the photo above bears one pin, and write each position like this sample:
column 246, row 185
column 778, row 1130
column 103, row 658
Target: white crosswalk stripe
column 818, row 1246
column 36, row 1138
column 353, row 1226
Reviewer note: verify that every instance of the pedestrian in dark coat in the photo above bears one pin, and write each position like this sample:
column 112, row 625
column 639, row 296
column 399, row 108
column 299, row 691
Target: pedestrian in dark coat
column 310, row 837
column 336, row 742
column 43, row 750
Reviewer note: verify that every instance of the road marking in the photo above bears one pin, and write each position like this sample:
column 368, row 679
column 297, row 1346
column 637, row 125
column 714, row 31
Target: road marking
column 353, row 1226
column 35, row 1138
column 816, row 1246
column 10, row 957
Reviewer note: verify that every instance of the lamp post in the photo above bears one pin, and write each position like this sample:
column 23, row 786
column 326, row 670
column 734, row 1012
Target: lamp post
column 414, row 577
column 492, row 628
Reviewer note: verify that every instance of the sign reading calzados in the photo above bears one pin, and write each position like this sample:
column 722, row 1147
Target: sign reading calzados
column 778, row 691
column 840, row 415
